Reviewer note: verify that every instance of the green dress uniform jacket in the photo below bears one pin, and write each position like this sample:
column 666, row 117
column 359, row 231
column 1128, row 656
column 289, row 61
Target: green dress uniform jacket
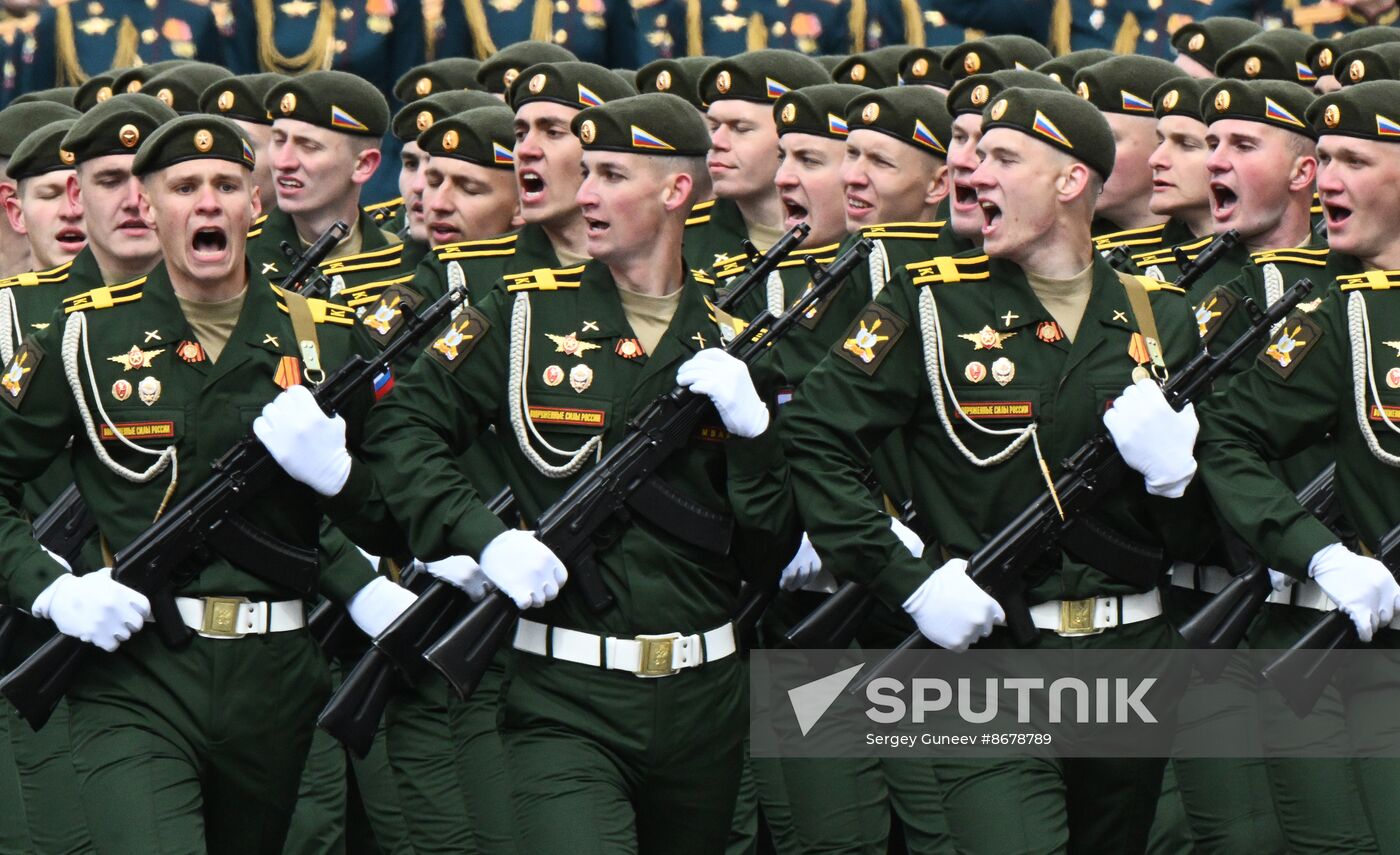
column 1010, row 367
column 712, row 231
column 1145, row 239
column 597, row 31
column 362, row 275
column 1165, row 264
column 675, row 28
column 932, row 23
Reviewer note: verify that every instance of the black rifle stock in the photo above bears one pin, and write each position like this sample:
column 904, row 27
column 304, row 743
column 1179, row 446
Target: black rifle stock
column 1302, row 672
column 567, row 527
column 306, row 277
column 1222, row 622
column 156, row 557
column 1000, row 567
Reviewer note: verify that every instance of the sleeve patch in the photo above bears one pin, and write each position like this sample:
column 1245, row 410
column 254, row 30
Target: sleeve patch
column 1213, row 311
column 870, row 338
column 461, row 337
column 14, row 385
column 1296, row 338
column 386, row 317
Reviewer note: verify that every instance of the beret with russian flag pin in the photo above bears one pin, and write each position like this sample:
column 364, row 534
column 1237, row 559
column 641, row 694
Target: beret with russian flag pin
column 1369, row 111
column 915, row 115
column 482, row 135
column 336, row 100
column 1061, row 120
column 817, row 110
column 1280, row 54
column 1323, row 54
column 658, row 124
column 760, row 75
column 1124, row 84
column 573, row 84
column 1270, row 102
column 198, row 136
column 973, row 94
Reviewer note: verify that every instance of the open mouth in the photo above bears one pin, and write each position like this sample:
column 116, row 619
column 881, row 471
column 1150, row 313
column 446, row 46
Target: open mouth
column 1223, row 201
column 963, row 195
column 71, row 238
column 991, row 216
column 209, row 241
column 793, row 213
column 290, row 184
column 1336, row 214
column 442, row 233
column 857, row 207
column 531, row 186
column 595, row 227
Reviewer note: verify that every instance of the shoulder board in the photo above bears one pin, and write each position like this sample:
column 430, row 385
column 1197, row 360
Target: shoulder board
column 1316, row 207
column 916, row 231
column 545, row 279
column 700, row 213
column 1150, row 285
column 384, row 210
column 702, row 277
column 731, row 265
column 478, row 248
column 1371, row 280
column 1313, row 257
column 255, row 228
column 1145, row 236
column 386, row 256
column 368, row 292
column 322, row 312
column 105, row 297
column 1168, row 254
column 52, row 276
column 949, row 268
column 822, row 254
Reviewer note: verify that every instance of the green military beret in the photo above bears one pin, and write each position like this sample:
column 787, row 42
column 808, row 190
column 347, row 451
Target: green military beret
column 336, row 100
column 972, row 94
column 761, row 75
column 818, row 110
column 58, row 95
column 923, row 66
column 1272, row 102
column 1181, row 97
column 116, row 126
column 1062, row 69
column 415, row 118
column 498, row 73
column 94, row 91
column 994, row 53
column 1271, row 55
column 1124, row 84
column 40, row 152
column 18, row 121
column 677, row 76
column 1061, row 120
column 1207, row 40
column 180, row 88
column 197, row 137
column 1369, row 111
column 483, row 135
column 241, row 97
column 911, row 114
column 628, row 75
column 875, row 69
column 653, row 124
column 573, row 84
column 129, row 80
column 442, row 75
column 1324, row 53
column 1378, row 62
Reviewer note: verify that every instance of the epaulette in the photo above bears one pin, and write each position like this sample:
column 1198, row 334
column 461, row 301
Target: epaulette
column 734, row 265
column 1145, row 236
column 916, row 231
column 485, row 248
column 1372, row 280
column 1316, row 207
column 104, row 297
column 700, row 213
column 702, row 277
column 1292, row 255
column 52, row 276
column 368, row 292
column 950, row 268
column 545, row 279
column 256, row 228
column 322, row 312
column 381, row 211
column 1149, row 284
column 1167, row 255
column 385, row 256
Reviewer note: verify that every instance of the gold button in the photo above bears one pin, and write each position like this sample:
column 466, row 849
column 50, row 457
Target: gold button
column 129, row 135
column 1252, row 66
column 536, row 85
column 998, row 109
column 980, row 94
column 870, row 113
column 203, row 140
column 1332, row 116
column 919, row 68
column 587, row 131
column 450, row 140
column 972, row 62
column 858, row 72
column 1222, row 101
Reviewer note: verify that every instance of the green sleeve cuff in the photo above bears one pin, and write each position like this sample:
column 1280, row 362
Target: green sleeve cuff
column 901, row 578
column 475, row 529
column 755, row 457
column 30, row 579
column 1299, row 544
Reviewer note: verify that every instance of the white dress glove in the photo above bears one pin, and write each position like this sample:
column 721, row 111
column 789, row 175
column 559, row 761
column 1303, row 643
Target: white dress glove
column 803, row 567
column 1153, row 438
column 93, row 608
column 304, row 441
column 1360, row 586
column 951, row 611
column 378, row 604
column 907, row 537
column 523, row 568
column 727, row 382
column 461, row 572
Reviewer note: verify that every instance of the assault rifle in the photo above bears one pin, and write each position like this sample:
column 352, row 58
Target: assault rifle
column 567, row 526
column 158, row 558
column 306, row 277
column 1302, row 673
column 353, row 713
column 63, row 528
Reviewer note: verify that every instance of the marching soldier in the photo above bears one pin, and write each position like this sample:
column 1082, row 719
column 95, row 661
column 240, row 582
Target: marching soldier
column 1054, row 313
column 499, row 72
column 240, row 100
column 16, row 122
column 1200, row 44
column 1180, row 187
column 1062, row 69
column 180, row 88
column 1322, row 56
column 993, row 53
column 924, row 67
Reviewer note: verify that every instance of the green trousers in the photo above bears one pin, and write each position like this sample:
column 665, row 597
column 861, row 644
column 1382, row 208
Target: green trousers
column 761, row 807
column 49, row 786
column 480, row 762
column 197, row 750
column 605, row 763
column 1170, row 834
column 1371, row 692
column 14, row 834
column 422, row 760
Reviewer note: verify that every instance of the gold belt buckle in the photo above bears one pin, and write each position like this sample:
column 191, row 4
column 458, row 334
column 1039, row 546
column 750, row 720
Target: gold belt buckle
column 1077, row 617
column 221, row 617
column 656, row 655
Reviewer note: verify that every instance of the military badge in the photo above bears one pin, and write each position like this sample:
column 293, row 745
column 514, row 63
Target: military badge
column 629, row 348
column 288, row 372
column 1392, row 378
column 580, row 377
column 461, row 336
column 148, row 390
column 190, row 351
column 1296, row 338
column 20, row 372
column 1003, row 371
column 569, row 345
column 986, row 338
column 136, row 358
column 553, row 375
column 387, row 315
column 975, row 372
column 121, row 390
column 870, row 339
column 1049, row 332
column 1214, row 309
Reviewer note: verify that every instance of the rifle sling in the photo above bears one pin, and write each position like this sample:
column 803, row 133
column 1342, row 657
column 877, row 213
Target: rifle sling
column 1141, row 306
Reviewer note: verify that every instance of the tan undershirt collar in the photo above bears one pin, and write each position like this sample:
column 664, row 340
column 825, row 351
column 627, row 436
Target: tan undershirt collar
column 213, row 323
column 648, row 315
column 1065, row 299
